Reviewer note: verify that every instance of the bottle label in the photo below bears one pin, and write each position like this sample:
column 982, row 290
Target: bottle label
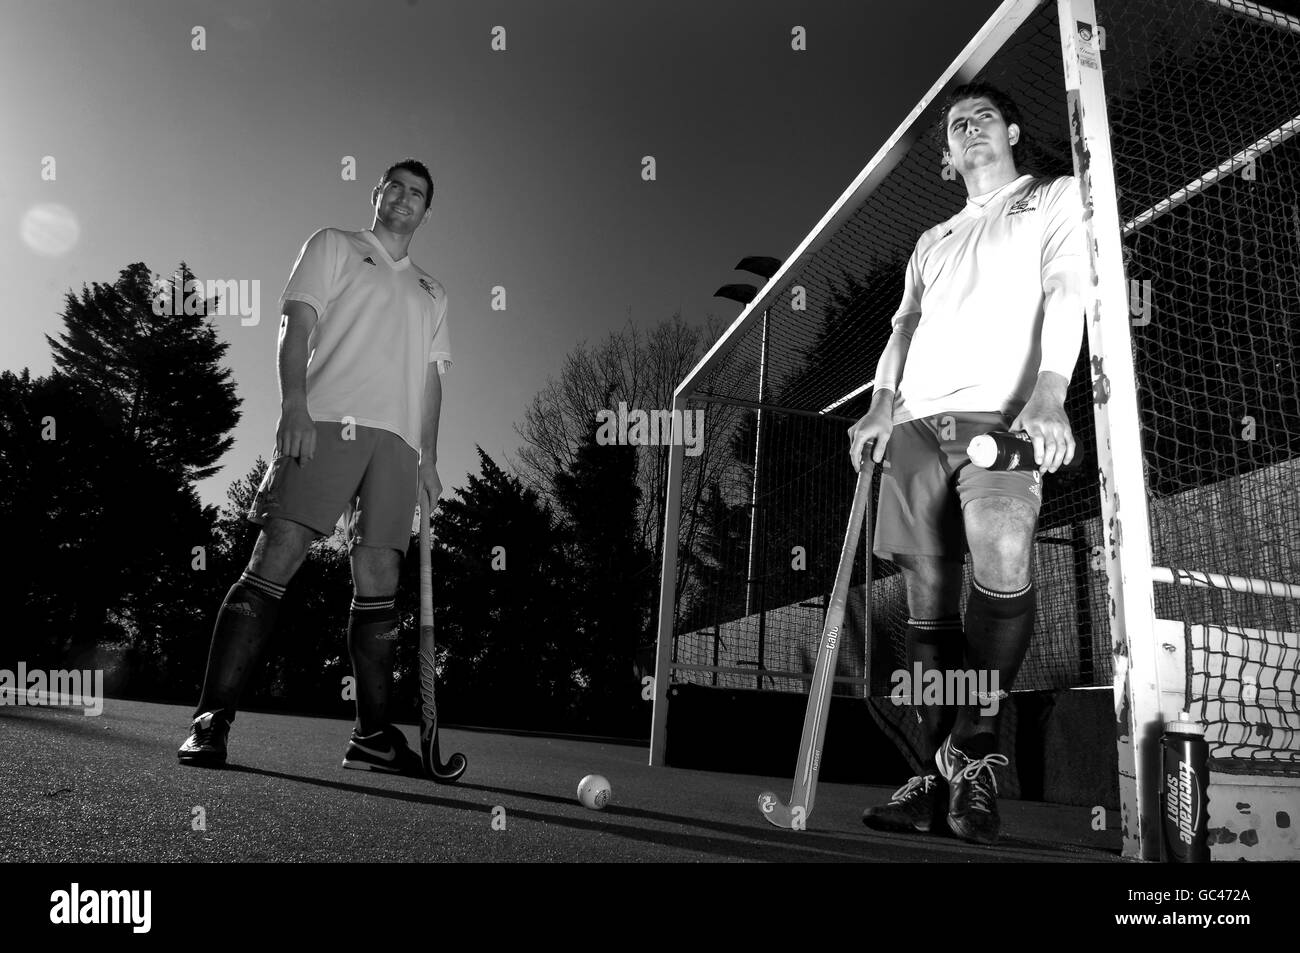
column 1184, row 806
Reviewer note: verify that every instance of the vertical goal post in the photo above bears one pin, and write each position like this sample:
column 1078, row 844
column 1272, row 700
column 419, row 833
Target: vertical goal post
column 1115, row 407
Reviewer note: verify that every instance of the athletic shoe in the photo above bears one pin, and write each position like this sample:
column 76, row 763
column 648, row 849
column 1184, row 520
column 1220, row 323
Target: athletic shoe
column 972, row 799
column 384, row 750
column 206, row 745
column 913, row 807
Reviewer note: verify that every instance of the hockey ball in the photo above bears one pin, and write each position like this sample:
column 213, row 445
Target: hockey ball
column 594, row 792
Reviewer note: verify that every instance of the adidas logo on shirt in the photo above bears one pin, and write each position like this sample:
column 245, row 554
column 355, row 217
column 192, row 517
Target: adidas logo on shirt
column 369, row 261
column 1023, row 205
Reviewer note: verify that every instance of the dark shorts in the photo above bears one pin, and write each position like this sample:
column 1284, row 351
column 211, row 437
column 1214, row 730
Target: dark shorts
column 926, row 481
column 371, row 480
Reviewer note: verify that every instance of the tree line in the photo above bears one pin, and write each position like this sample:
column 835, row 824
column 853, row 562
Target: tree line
column 546, row 571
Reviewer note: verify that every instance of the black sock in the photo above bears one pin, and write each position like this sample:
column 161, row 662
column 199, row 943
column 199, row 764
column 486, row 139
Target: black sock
column 999, row 626
column 244, row 626
column 937, row 645
column 372, row 642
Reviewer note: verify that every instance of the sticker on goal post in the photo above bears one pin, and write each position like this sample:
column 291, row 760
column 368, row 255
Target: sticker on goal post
column 1086, row 33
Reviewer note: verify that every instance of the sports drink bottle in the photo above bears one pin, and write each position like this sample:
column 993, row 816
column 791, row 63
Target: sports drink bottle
column 1184, row 787
column 1003, row 450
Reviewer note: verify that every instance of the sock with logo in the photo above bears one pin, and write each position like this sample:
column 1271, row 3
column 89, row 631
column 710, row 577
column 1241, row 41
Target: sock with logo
column 936, row 644
column 244, row 626
column 372, row 643
column 999, row 626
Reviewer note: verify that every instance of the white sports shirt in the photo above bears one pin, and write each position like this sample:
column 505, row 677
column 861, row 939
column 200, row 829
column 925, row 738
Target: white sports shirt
column 380, row 323
column 994, row 295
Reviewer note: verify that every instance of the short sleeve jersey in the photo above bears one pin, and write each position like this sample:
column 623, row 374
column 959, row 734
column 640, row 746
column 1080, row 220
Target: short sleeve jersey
column 380, row 324
column 996, row 295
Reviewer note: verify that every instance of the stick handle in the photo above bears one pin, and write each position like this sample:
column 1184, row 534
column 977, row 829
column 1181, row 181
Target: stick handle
column 426, row 564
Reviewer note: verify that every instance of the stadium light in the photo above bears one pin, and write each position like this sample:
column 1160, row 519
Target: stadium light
column 743, row 293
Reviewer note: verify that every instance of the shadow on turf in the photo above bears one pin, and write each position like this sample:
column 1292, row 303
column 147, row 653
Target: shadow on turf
column 755, row 841
column 944, row 840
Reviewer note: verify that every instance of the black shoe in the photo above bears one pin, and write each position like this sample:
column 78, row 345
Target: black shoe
column 206, row 745
column 972, row 801
column 384, row 750
column 913, row 807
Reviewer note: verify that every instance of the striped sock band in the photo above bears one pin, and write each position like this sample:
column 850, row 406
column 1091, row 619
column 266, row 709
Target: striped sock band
column 949, row 623
column 373, row 603
column 994, row 594
column 265, row 586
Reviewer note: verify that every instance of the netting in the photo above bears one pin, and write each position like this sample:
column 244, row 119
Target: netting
column 1213, row 261
column 1215, row 274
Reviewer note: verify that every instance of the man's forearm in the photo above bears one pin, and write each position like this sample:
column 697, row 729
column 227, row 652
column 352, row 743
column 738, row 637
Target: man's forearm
column 432, row 414
column 889, row 369
column 881, row 398
column 1050, row 386
column 1063, row 318
column 291, row 363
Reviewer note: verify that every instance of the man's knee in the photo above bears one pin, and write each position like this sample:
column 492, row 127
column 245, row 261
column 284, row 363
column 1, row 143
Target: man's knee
column 375, row 570
column 1000, row 533
column 933, row 586
column 281, row 547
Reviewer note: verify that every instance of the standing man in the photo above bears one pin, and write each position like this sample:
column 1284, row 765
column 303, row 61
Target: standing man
column 986, row 338
column 361, row 330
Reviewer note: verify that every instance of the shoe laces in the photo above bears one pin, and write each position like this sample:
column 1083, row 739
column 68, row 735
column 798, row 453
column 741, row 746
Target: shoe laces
column 920, row 783
column 203, row 733
column 980, row 775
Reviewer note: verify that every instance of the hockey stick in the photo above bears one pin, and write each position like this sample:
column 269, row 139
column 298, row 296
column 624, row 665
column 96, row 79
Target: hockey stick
column 795, row 814
column 433, row 764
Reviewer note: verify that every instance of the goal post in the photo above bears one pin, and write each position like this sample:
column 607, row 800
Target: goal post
column 1168, row 566
column 1118, row 439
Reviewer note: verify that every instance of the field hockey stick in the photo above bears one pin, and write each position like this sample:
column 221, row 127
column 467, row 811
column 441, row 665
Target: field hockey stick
column 434, row 767
column 796, row 813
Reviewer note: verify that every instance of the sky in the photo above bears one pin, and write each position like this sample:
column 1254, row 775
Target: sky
column 228, row 158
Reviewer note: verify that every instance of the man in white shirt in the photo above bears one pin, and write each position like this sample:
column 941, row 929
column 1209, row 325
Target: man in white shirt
column 363, row 344
column 986, row 338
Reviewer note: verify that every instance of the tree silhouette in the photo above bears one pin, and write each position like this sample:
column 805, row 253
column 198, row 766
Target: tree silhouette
column 615, row 578
column 503, row 608
column 101, row 457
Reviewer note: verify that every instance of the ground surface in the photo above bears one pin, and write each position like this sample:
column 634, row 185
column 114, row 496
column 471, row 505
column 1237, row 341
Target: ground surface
column 109, row 788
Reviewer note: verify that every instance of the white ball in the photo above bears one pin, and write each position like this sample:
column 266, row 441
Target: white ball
column 594, row 792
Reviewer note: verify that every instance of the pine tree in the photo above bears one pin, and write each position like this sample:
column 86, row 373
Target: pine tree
column 503, row 607
column 615, row 575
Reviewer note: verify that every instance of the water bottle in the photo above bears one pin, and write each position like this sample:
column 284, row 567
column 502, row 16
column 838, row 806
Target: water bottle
column 1003, row 450
column 1010, row 450
column 1184, row 789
